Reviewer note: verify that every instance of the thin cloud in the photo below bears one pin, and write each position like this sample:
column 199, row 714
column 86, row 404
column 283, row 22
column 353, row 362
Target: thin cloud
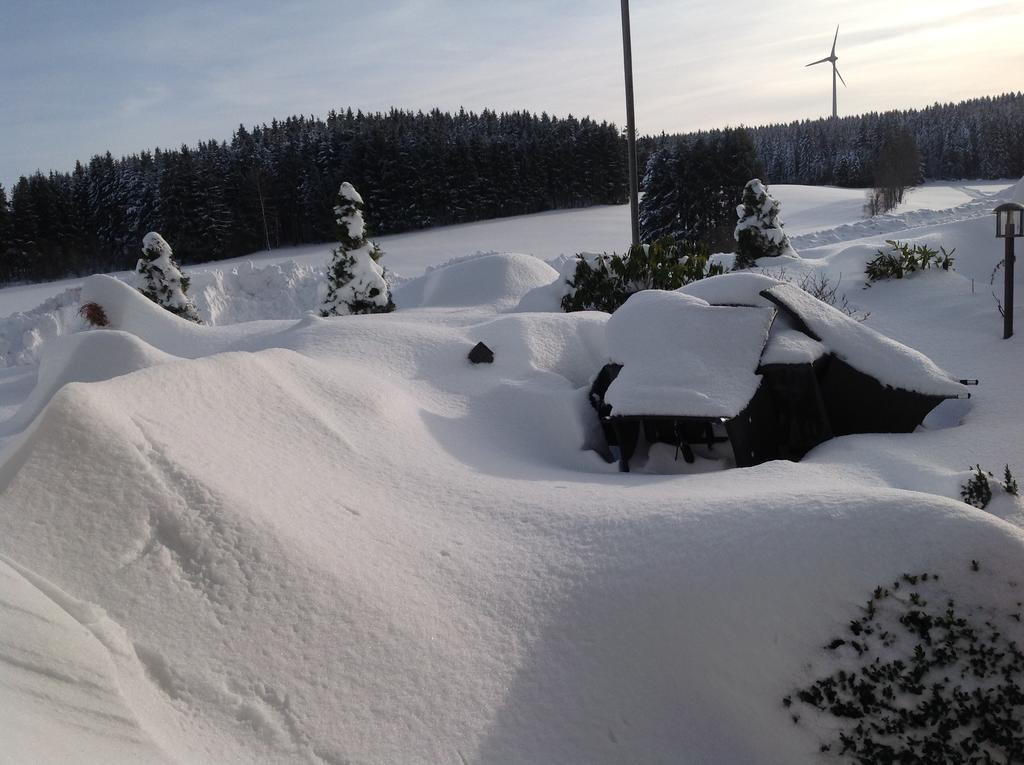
column 877, row 34
column 125, row 75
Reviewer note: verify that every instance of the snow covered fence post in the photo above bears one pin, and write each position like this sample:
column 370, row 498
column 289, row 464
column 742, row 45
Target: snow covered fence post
column 356, row 283
column 759, row 231
column 162, row 280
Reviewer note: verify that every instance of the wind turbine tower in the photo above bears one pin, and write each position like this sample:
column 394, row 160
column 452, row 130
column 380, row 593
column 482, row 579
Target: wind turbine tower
column 832, row 58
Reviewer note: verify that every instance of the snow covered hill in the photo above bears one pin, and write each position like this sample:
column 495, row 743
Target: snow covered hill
column 292, row 539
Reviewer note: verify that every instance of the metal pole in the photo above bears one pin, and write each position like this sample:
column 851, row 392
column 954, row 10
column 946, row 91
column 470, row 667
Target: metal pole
column 1008, row 283
column 627, row 57
column 835, row 112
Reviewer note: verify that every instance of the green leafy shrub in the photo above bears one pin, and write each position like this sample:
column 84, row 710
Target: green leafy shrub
column 607, row 282
column 921, row 679
column 901, row 259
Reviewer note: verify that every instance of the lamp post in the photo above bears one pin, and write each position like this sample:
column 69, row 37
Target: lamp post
column 627, row 60
column 1009, row 225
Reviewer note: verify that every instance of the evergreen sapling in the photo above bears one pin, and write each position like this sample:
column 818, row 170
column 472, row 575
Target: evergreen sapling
column 759, row 232
column 1009, row 482
column 162, row 280
column 356, row 283
column 977, row 491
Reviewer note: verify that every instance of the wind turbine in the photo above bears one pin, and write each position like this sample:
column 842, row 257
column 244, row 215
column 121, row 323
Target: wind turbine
column 832, row 58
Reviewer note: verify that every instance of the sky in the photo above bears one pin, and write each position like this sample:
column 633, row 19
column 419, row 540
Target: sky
column 82, row 78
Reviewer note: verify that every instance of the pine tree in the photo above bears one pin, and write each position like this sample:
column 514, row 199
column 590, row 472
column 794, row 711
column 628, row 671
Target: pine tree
column 759, row 231
column 659, row 208
column 693, row 186
column 162, row 280
column 5, row 239
column 356, row 284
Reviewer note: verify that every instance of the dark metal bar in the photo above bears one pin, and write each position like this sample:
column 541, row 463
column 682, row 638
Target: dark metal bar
column 1007, row 283
column 627, row 57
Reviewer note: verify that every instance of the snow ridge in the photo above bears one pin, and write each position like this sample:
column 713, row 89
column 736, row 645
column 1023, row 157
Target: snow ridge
column 894, row 222
column 22, row 334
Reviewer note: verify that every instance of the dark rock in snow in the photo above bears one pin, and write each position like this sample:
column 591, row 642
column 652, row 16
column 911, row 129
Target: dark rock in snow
column 481, row 354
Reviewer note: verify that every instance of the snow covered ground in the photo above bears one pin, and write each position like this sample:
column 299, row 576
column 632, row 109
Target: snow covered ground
column 291, row 539
column 805, row 209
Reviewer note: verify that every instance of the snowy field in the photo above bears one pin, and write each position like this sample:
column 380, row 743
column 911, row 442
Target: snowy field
column 283, row 539
column 806, row 210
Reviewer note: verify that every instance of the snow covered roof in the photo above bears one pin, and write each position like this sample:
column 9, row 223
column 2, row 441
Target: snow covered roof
column 695, row 352
column 889, row 362
column 790, row 346
column 735, row 288
column 682, row 356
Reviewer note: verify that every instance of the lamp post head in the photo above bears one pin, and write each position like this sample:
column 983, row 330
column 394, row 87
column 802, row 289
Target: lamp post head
column 1009, row 214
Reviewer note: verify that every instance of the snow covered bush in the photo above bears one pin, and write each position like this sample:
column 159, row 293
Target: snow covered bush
column 901, row 258
column 820, row 285
column 977, row 491
column 356, row 283
column 895, row 171
column 759, row 232
column 1010, row 483
column 162, row 280
column 920, row 678
column 605, row 282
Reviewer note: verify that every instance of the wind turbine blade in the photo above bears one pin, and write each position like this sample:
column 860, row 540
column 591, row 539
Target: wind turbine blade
column 834, row 41
column 818, row 62
column 841, row 78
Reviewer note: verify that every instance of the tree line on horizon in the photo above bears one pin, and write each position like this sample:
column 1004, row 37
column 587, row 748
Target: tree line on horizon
column 694, row 181
column 274, row 185
column 981, row 138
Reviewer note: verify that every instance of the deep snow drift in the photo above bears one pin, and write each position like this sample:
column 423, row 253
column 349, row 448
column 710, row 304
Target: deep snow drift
column 336, row 540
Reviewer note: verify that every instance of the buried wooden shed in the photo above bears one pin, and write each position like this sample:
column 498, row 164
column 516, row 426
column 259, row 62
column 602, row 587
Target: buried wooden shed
column 752, row 371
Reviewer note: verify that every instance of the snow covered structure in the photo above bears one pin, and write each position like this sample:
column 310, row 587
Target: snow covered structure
column 356, row 282
column 162, row 280
column 752, row 369
column 759, row 232
column 674, row 381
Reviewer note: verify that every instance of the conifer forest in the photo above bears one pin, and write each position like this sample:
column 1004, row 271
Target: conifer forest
column 274, row 185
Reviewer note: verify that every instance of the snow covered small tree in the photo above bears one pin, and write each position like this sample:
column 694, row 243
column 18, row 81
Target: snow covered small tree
column 162, row 280
column 759, row 232
column 356, row 283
